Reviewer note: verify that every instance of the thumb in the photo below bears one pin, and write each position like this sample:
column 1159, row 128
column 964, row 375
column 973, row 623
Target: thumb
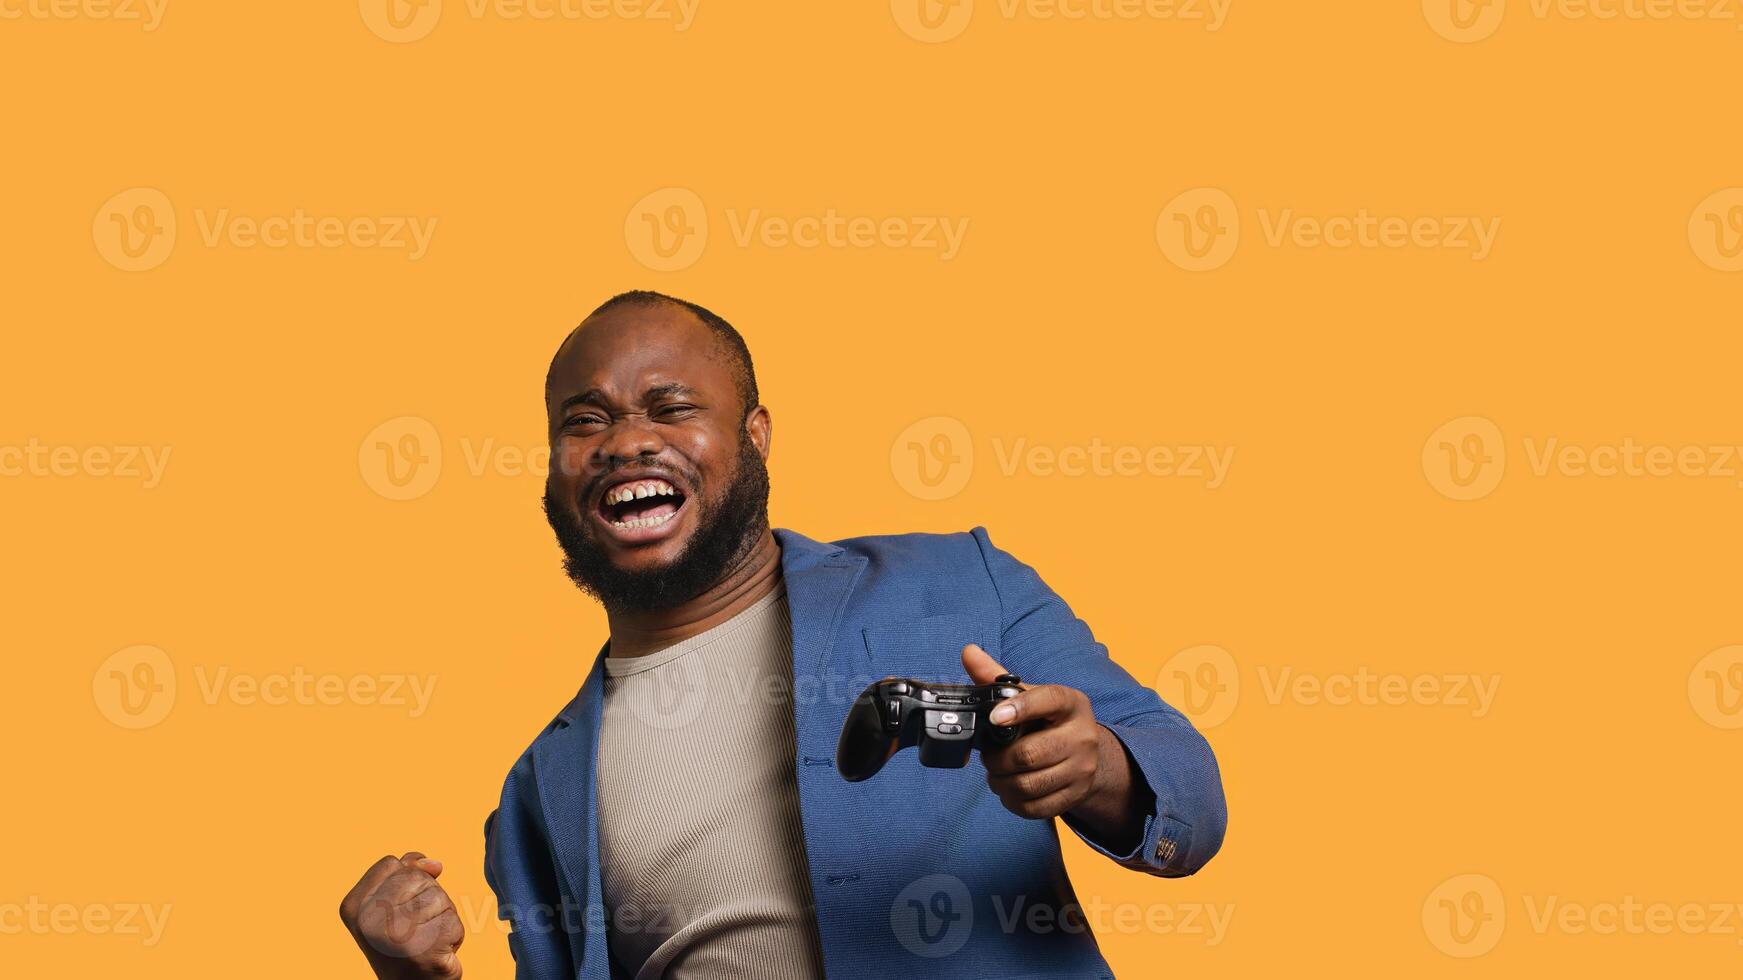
column 981, row 667
column 428, row 865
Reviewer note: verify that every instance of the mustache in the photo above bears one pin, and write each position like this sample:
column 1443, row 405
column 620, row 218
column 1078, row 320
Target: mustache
column 682, row 477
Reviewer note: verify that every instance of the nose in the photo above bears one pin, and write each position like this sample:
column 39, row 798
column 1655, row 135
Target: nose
column 626, row 441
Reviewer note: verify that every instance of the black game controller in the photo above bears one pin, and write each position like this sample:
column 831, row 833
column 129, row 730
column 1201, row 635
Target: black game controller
column 946, row 721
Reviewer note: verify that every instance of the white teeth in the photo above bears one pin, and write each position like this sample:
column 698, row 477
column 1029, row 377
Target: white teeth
column 635, row 491
column 645, row 521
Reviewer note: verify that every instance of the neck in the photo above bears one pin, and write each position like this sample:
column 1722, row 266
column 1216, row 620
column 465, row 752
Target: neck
column 642, row 631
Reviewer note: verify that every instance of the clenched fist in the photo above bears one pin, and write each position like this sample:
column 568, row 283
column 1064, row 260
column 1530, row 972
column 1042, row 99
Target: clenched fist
column 403, row 920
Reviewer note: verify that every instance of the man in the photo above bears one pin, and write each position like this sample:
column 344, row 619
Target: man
column 682, row 816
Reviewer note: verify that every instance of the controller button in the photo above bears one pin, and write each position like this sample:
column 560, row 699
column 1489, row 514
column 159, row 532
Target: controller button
column 950, row 729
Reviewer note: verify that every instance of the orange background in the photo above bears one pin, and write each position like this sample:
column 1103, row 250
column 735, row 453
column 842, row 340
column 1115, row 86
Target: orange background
column 1603, row 772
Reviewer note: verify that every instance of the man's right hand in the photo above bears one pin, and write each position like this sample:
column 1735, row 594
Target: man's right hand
column 403, row 921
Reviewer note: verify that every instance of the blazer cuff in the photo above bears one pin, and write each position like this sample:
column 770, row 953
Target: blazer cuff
column 1184, row 827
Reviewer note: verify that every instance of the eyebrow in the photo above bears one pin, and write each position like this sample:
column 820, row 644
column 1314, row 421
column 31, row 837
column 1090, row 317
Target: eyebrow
column 594, row 396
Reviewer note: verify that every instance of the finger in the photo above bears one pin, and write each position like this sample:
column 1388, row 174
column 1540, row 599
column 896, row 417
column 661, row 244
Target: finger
column 1049, row 702
column 432, row 941
column 981, row 667
column 1036, row 750
column 366, row 885
column 377, row 873
column 408, row 884
column 1052, row 805
column 453, row 931
column 416, row 859
column 448, row 934
column 1035, row 783
column 427, row 904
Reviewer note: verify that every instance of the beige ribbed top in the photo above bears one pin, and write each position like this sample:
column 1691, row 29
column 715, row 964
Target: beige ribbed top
column 701, row 850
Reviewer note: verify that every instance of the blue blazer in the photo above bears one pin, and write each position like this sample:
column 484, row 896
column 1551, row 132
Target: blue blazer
column 916, row 871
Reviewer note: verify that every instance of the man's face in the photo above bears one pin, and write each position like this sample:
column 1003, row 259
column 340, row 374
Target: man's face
column 657, row 483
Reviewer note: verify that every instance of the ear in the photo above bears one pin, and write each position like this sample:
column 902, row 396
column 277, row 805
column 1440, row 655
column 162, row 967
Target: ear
column 761, row 428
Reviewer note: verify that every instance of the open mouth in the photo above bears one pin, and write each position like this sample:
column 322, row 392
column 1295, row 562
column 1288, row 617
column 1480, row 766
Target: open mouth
column 640, row 504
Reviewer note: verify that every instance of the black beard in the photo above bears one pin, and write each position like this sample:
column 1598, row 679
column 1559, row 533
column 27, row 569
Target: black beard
column 726, row 530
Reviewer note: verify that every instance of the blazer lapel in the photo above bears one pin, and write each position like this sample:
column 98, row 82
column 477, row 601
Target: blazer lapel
column 819, row 578
column 564, row 761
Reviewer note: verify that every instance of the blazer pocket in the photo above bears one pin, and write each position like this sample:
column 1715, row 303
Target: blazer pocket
column 928, row 649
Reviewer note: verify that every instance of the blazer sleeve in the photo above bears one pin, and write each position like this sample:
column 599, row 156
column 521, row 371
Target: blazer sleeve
column 1042, row 640
column 522, row 872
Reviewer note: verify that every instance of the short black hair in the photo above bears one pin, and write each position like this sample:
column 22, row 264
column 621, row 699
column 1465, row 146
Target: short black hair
column 743, row 372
